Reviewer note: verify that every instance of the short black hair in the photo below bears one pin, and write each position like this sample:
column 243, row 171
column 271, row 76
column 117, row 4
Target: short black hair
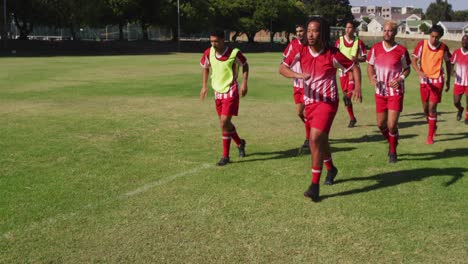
column 299, row 25
column 217, row 33
column 352, row 22
column 437, row 28
column 324, row 30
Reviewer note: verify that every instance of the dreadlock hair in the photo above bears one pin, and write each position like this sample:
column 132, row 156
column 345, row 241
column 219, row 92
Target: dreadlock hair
column 324, row 30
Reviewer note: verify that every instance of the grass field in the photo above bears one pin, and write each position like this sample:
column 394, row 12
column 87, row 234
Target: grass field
column 112, row 159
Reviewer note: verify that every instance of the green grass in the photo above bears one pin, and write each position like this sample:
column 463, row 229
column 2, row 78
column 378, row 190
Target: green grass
column 111, row 159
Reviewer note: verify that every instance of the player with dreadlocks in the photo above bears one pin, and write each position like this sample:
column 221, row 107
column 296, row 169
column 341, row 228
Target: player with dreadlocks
column 319, row 62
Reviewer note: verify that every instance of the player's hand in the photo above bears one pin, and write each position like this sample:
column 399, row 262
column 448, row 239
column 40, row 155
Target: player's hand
column 305, row 76
column 422, row 75
column 203, row 93
column 357, row 95
column 395, row 83
column 373, row 81
column 243, row 89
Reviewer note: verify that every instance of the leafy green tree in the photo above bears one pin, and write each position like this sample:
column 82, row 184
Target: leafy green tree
column 334, row 11
column 439, row 11
column 461, row 15
column 27, row 14
column 424, row 28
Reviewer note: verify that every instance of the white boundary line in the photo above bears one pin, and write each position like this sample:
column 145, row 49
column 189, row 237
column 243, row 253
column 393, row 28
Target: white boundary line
column 64, row 217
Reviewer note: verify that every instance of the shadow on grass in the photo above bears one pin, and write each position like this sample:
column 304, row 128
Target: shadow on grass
column 369, row 138
column 457, row 136
column 446, row 154
column 407, row 124
column 419, row 115
column 390, row 179
column 285, row 154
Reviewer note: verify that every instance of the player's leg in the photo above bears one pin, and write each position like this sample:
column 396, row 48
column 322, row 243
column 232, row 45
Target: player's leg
column 457, row 95
column 318, row 140
column 381, row 114
column 226, row 127
column 300, row 114
column 332, row 171
column 434, row 98
column 392, row 123
column 466, row 105
column 349, row 106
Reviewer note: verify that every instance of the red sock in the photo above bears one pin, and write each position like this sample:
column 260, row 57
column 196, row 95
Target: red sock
column 328, row 163
column 393, row 141
column 351, row 112
column 235, row 137
column 384, row 132
column 316, row 172
column 307, row 129
column 432, row 125
column 226, row 144
column 466, row 114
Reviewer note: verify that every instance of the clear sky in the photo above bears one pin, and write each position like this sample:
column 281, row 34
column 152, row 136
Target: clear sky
column 456, row 4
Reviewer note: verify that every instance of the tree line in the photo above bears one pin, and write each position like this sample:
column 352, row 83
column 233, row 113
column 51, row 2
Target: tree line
column 241, row 16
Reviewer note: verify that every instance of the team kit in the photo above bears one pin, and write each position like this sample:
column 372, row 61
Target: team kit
column 312, row 63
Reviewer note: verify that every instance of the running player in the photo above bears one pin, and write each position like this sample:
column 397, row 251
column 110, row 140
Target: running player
column 354, row 49
column 319, row 62
column 460, row 60
column 427, row 60
column 224, row 63
column 388, row 66
column 298, row 84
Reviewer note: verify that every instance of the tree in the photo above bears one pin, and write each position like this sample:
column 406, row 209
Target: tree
column 334, row 11
column 27, row 14
column 439, row 11
column 424, row 28
column 461, row 15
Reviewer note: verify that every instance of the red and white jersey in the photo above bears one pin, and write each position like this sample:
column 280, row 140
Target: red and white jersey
column 295, row 44
column 460, row 59
column 362, row 51
column 418, row 53
column 321, row 86
column 389, row 64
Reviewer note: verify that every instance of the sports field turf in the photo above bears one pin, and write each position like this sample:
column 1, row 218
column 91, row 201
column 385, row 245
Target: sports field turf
column 112, row 159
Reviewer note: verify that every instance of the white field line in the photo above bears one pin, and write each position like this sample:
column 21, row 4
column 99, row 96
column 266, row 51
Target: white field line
column 64, row 217
column 163, row 181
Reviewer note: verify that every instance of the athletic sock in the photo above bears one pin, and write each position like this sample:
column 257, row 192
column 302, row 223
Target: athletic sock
column 393, row 141
column 351, row 112
column 235, row 137
column 466, row 113
column 316, row 172
column 328, row 163
column 384, row 132
column 226, row 144
column 432, row 125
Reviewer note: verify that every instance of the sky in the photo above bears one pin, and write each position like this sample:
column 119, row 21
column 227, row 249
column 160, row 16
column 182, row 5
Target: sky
column 456, row 4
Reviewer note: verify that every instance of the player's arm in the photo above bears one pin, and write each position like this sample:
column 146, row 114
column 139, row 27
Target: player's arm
column 396, row 83
column 245, row 77
column 371, row 74
column 415, row 63
column 448, row 67
column 356, row 73
column 204, row 89
column 288, row 73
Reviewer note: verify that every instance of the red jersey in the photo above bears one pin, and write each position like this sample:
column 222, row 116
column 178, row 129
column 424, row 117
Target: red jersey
column 295, row 44
column 240, row 60
column 418, row 52
column 321, row 86
column 389, row 64
column 460, row 59
column 362, row 51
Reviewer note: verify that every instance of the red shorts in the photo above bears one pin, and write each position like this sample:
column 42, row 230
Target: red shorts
column 384, row 103
column 320, row 115
column 431, row 92
column 298, row 95
column 460, row 89
column 227, row 104
column 346, row 86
